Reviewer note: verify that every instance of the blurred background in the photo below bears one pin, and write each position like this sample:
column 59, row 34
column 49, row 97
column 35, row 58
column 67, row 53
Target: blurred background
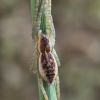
column 77, row 24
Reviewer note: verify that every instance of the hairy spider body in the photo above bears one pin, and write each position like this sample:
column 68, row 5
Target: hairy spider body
column 47, row 64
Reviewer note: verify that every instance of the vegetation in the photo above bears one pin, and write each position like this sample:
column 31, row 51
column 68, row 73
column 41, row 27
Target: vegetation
column 42, row 20
column 77, row 24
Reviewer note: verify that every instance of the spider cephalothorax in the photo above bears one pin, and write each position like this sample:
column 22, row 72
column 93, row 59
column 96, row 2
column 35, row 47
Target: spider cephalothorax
column 44, row 44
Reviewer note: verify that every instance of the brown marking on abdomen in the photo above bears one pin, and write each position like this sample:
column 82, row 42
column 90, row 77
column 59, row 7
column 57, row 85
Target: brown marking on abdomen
column 48, row 66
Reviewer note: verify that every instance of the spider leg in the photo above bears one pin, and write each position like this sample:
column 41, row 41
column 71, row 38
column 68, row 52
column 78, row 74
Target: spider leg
column 56, row 57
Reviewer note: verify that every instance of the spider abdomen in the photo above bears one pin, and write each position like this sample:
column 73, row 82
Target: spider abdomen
column 48, row 67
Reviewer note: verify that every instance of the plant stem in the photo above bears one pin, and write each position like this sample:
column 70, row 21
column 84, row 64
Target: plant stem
column 42, row 20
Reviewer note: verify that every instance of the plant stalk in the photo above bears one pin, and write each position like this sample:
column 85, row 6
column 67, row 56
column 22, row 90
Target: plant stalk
column 42, row 20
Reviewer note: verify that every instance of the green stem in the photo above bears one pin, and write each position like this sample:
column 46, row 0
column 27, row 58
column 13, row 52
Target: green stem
column 42, row 20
